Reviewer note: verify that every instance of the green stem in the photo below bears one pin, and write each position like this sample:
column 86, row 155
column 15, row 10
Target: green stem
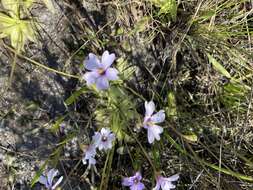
column 144, row 151
column 40, row 65
column 12, row 69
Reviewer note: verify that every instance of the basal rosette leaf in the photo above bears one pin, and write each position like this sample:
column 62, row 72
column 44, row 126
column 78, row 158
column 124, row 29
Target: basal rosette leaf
column 19, row 31
column 12, row 6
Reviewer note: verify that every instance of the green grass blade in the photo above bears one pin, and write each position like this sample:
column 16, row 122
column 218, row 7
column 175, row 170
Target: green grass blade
column 218, row 67
column 38, row 174
column 230, row 172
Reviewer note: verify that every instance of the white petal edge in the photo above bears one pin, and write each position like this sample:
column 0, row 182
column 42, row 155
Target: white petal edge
column 149, row 108
column 107, row 59
column 58, row 182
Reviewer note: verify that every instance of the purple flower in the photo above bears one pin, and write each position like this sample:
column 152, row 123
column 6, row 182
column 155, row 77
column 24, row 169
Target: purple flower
column 151, row 120
column 104, row 139
column 100, row 72
column 90, row 154
column 165, row 183
column 134, row 182
column 47, row 179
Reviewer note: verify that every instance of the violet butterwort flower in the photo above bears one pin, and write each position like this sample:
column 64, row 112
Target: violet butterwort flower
column 47, row 179
column 165, row 183
column 89, row 155
column 134, row 182
column 104, row 139
column 151, row 120
column 100, row 72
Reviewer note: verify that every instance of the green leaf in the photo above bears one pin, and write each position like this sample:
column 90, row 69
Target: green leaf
column 28, row 3
column 117, row 126
column 38, row 174
column 55, row 127
column 17, row 29
column 125, row 69
column 171, row 110
column 191, row 137
column 230, row 172
column 141, row 25
column 218, row 67
column 12, row 6
column 75, row 95
column 167, row 7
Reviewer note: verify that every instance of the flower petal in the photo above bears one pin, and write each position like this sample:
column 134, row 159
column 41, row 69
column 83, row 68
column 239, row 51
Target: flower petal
column 102, row 83
column 157, row 130
column 157, row 186
column 150, row 108
column 92, row 161
column 111, row 137
column 138, row 176
column 107, row 145
column 151, row 136
column 105, row 131
column 154, row 132
column 50, row 176
column 91, row 62
column 96, row 139
column 166, row 185
column 138, row 186
column 127, row 181
column 158, row 117
column 58, row 182
column 43, row 180
column 111, row 74
column 90, row 77
column 173, row 178
column 90, row 152
column 107, row 59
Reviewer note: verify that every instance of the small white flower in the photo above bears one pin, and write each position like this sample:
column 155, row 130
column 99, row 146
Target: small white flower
column 151, row 120
column 104, row 139
column 47, row 179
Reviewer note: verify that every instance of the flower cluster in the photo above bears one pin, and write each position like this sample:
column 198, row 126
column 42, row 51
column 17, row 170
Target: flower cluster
column 99, row 74
column 103, row 141
column 163, row 183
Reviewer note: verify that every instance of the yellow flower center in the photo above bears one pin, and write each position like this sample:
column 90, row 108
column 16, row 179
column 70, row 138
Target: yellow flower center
column 101, row 71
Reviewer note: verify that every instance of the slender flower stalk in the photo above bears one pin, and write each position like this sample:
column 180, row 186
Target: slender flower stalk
column 143, row 150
